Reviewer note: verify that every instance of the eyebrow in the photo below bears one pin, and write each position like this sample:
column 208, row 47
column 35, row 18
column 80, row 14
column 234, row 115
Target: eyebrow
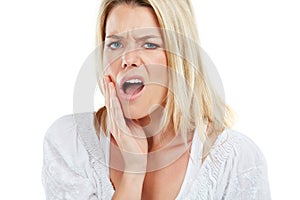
column 114, row 36
column 136, row 38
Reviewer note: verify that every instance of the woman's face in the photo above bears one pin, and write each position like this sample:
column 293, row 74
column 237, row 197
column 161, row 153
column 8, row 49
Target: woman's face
column 135, row 59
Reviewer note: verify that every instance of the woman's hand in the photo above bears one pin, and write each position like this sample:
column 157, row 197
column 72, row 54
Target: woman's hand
column 129, row 136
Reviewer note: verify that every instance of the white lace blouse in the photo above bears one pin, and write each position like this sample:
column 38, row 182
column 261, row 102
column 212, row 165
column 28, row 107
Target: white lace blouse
column 76, row 165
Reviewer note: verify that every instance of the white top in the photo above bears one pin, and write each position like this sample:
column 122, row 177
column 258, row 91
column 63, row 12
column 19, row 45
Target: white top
column 76, row 165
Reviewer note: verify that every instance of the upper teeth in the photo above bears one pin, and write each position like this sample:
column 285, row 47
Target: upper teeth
column 134, row 81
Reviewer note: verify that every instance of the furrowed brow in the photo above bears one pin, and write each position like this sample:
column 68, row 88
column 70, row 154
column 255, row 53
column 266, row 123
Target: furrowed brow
column 136, row 38
column 147, row 37
column 114, row 37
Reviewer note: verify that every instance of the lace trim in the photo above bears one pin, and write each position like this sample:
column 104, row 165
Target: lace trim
column 86, row 130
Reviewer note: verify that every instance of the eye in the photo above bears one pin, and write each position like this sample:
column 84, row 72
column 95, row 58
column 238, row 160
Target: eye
column 115, row 45
column 150, row 46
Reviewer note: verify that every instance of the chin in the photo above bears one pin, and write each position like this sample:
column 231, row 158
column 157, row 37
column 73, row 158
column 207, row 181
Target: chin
column 135, row 114
column 143, row 114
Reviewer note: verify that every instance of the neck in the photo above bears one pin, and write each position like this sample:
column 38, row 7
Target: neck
column 160, row 140
column 156, row 136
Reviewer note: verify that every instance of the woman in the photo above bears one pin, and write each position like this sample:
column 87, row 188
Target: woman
column 164, row 132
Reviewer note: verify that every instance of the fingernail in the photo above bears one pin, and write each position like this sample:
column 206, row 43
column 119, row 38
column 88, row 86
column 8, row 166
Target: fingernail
column 109, row 87
column 110, row 84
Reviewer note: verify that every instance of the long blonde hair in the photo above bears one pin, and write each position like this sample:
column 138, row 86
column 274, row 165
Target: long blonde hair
column 191, row 103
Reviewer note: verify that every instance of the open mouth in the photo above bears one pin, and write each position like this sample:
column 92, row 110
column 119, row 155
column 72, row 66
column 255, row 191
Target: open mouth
column 133, row 86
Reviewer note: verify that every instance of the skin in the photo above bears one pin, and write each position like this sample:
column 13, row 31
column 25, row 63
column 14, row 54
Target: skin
column 135, row 46
column 125, row 54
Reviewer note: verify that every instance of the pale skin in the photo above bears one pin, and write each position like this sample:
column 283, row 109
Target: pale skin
column 127, row 118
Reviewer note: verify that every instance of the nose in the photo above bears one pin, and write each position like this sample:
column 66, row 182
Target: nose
column 131, row 58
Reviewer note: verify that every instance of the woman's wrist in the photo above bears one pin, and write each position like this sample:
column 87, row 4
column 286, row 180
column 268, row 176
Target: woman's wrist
column 133, row 178
column 130, row 187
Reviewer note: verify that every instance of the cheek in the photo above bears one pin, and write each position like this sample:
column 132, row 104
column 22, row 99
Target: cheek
column 158, row 70
column 111, row 58
column 111, row 67
column 157, row 58
column 161, row 75
column 163, row 58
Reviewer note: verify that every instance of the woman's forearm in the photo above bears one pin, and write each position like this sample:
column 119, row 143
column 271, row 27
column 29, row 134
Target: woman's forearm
column 130, row 187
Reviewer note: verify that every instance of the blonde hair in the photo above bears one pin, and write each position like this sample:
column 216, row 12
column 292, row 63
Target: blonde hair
column 193, row 100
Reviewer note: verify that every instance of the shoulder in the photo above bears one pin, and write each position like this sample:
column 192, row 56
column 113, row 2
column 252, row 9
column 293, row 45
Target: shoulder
column 61, row 127
column 242, row 166
column 245, row 172
column 67, row 125
column 237, row 153
column 63, row 140
column 244, row 149
column 67, row 170
column 234, row 169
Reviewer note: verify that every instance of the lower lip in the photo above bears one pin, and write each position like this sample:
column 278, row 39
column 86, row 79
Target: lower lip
column 128, row 97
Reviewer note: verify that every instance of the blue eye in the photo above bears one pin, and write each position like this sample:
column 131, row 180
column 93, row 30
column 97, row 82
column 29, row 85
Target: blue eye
column 115, row 45
column 150, row 46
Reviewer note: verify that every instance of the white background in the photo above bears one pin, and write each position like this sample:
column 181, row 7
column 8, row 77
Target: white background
column 43, row 44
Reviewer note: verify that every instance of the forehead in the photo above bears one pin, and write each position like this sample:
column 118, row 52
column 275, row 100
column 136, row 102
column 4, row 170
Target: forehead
column 124, row 18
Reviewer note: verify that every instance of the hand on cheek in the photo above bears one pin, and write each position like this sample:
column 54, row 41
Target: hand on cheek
column 129, row 136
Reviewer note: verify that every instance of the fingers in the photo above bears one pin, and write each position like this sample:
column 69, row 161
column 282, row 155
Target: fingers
column 125, row 133
column 107, row 98
column 117, row 122
column 117, row 112
column 117, row 116
column 113, row 110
